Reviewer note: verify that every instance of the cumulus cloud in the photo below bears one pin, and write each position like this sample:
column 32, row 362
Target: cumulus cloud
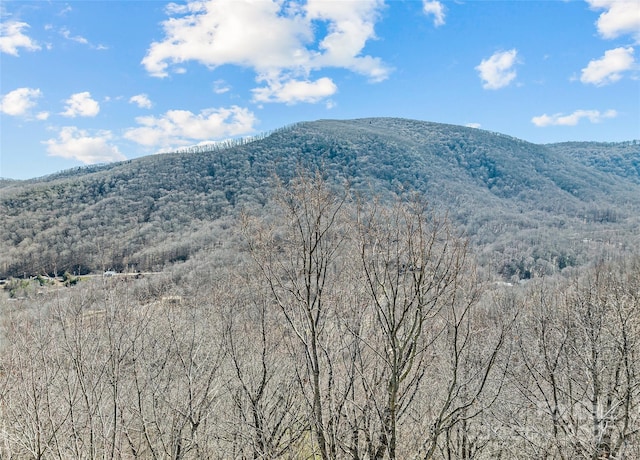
column 350, row 24
column 78, row 144
column 609, row 68
column 81, row 105
column 276, row 39
column 182, row 127
column 473, row 125
column 497, row 71
column 621, row 17
column 559, row 119
column 252, row 34
column 436, row 9
column 20, row 101
column 293, row 91
column 12, row 38
column 141, row 100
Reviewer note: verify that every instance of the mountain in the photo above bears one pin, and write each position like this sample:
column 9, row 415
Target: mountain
column 617, row 158
column 529, row 209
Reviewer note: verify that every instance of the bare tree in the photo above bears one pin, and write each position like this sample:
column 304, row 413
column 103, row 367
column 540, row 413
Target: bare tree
column 32, row 417
column 376, row 300
column 422, row 296
column 579, row 344
column 270, row 421
column 300, row 264
column 95, row 375
column 606, row 305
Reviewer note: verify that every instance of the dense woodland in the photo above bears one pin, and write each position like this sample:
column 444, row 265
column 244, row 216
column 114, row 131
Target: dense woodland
column 324, row 313
column 529, row 209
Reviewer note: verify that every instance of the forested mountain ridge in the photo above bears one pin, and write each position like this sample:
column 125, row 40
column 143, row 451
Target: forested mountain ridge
column 619, row 158
column 528, row 207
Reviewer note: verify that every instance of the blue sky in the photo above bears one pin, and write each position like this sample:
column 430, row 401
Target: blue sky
column 85, row 82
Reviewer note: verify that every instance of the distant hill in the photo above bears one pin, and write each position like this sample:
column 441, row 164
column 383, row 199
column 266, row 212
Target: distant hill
column 4, row 182
column 529, row 209
column 620, row 158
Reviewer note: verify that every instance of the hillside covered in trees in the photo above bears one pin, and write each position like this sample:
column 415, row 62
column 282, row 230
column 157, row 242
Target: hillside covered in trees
column 376, row 289
column 331, row 327
column 528, row 209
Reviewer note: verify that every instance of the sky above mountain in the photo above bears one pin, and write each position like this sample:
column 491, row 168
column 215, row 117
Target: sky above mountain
column 85, row 82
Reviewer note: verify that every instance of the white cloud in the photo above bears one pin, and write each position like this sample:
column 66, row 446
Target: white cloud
column 559, row 119
column 608, row 68
column 182, row 127
column 220, row 87
column 435, row 8
column 77, row 144
column 293, row 91
column 497, row 71
column 141, row 100
column 620, row 18
column 350, row 24
column 12, row 38
column 74, row 38
column 174, row 8
column 81, row 105
column 276, row 39
column 251, row 34
column 42, row 116
column 19, row 101
column 67, row 9
column 473, row 125
column 80, row 39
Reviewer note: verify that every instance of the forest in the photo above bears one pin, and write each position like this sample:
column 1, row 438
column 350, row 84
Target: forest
column 331, row 328
column 327, row 315
column 529, row 209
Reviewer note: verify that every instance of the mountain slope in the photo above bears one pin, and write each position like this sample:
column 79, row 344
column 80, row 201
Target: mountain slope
column 503, row 192
column 620, row 159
